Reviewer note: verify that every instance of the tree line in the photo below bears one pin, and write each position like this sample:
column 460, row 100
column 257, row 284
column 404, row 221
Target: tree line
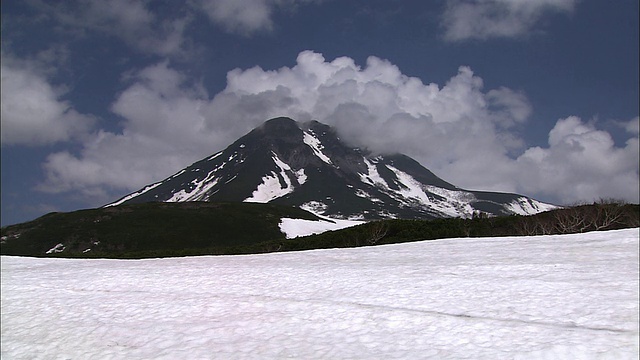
column 606, row 214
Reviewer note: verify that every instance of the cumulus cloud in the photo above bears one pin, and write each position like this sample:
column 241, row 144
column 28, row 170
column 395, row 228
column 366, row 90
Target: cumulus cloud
column 163, row 130
column 384, row 110
column 462, row 132
column 484, row 19
column 32, row 111
column 581, row 163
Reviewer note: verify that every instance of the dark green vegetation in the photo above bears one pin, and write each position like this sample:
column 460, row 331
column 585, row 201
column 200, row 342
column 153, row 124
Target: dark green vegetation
column 204, row 228
column 150, row 229
column 582, row 218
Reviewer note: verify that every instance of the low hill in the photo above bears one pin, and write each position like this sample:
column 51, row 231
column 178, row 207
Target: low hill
column 208, row 228
column 148, row 229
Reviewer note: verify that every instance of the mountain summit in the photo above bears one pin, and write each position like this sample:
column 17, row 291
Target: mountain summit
column 308, row 166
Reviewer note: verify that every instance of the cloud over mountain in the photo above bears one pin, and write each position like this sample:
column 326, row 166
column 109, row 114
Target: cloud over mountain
column 459, row 130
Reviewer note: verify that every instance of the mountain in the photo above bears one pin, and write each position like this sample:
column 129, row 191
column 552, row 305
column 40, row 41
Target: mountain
column 307, row 165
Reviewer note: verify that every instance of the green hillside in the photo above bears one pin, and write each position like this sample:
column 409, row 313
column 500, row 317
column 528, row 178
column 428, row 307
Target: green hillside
column 142, row 230
column 205, row 228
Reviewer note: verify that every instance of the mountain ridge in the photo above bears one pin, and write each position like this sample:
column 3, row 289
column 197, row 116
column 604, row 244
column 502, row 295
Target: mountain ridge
column 307, row 165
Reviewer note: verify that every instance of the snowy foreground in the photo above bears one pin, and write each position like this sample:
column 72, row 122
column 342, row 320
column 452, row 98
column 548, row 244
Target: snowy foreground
column 553, row 297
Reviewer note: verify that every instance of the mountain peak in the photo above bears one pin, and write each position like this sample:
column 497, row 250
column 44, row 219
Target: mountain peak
column 280, row 124
column 306, row 165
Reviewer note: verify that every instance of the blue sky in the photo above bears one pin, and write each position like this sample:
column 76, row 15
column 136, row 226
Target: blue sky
column 101, row 97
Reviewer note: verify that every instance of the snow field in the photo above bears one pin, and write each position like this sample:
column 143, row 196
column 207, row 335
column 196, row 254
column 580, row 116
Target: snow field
column 293, row 228
column 555, row 297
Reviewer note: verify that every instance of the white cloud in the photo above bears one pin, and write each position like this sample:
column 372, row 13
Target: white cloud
column 129, row 20
column 241, row 16
column 509, row 107
column 32, row 111
column 245, row 17
column 460, row 131
column 484, row 19
column 163, row 131
column 633, row 126
column 161, row 28
column 379, row 107
column 581, row 163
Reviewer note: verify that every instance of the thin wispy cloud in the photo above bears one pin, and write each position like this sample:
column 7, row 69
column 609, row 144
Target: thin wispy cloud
column 246, row 17
column 130, row 21
column 485, row 19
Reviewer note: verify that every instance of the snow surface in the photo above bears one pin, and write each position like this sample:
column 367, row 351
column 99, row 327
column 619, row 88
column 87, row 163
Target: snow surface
column 315, row 145
column 456, row 203
column 131, row 196
column 270, row 188
column 524, row 206
column 412, row 191
column 56, row 249
column 545, row 297
column 199, row 190
column 215, row 155
column 372, row 177
column 293, row 228
column 315, row 207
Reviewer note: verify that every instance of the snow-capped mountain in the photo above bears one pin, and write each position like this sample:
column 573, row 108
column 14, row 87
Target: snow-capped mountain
column 307, row 165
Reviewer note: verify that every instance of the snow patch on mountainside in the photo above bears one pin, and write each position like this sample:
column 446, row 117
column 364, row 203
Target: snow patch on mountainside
column 455, row 200
column 301, row 176
column 315, row 144
column 200, row 187
column 410, row 188
column 271, row 188
column 131, row 196
column 413, row 189
column 365, row 195
column 56, row 249
column 524, row 206
column 372, row 177
column 215, row 156
column 411, row 192
column 178, row 174
column 315, row 207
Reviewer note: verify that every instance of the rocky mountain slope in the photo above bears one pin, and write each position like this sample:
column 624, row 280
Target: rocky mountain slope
column 307, row 165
